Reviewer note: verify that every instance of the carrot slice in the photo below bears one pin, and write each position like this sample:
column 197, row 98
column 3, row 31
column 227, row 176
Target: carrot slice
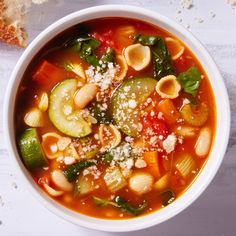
column 48, row 75
column 170, row 113
column 151, row 158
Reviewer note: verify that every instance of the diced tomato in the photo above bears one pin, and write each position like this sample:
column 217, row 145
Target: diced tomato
column 182, row 64
column 153, row 126
column 105, row 38
column 48, row 75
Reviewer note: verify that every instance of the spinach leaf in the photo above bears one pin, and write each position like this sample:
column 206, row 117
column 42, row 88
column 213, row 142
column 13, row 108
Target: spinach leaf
column 190, row 80
column 122, row 204
column 109, row 56
column 167, row 197
column 107, row 157
column 161, row 59
column 86, row 47
column 146, row 40
column 128, row 208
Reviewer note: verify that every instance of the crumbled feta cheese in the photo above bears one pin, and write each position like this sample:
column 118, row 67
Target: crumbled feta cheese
column 160, row 115
column 132, row 103
column 69, row 160
column 54, row 148
column 169, row 143
column 140, row 163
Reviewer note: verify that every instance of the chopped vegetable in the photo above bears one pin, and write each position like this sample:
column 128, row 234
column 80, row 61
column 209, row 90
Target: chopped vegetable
column 47, row 75
column 114, row 179
column 162, row 183
column 100, row 113
column 167, row 197
column 122, row 204
column 146, row 40
column 61, row 110
column 73, row 171
column 84, row 185
column 195, row 115
column 107, row 157
column 151, row 158
column 31, row 149
column 162, row 63
column 76, row 68
column 125, row 102
column 169, row 111
column 128, row 208
column 185, row 164
column 86, row 48
column 190, row 80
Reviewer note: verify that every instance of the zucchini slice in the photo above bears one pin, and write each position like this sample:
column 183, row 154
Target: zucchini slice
column 31, row 150
column 126, row 100
column 61, row 110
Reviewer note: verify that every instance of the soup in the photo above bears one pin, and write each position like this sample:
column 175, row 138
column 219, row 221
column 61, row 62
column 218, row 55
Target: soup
column 115, row 118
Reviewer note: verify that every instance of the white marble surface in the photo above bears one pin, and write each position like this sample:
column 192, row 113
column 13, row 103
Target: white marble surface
column 214, row 213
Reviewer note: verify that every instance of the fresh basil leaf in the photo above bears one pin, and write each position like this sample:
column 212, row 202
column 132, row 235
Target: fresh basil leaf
column 190, row 80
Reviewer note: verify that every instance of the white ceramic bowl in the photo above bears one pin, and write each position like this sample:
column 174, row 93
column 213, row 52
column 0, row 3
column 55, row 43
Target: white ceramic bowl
column 221, row 98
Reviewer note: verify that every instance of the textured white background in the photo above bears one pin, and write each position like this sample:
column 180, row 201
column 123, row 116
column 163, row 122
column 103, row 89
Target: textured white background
column 214, row 212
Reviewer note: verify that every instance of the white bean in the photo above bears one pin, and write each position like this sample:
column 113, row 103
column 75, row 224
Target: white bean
column 34, row 118
column 85, row 95
column 141, row 183
column 60, row 180
column 203, row 142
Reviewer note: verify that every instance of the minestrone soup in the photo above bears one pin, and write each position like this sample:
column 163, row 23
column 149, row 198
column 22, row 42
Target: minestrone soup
column 114, row 118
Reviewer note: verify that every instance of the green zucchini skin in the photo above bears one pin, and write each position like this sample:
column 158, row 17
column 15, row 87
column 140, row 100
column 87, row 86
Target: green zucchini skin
column 124, row 116
column 72, row 171
column 31, row 150
column 61, row 98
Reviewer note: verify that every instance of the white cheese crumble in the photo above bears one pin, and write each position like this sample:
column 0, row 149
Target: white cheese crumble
column 140, row 163
column 132, row 103
column 69, row 160
column 169, row 143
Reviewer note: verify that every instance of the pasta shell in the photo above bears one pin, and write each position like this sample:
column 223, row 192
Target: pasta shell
column 168, row 87
column 137, row 56
column 49, row 144
column 175, row 48
column 51, row 191
column 123, row 68
column 109, row 136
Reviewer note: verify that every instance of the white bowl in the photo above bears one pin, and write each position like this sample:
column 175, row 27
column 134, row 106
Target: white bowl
column 221, row 99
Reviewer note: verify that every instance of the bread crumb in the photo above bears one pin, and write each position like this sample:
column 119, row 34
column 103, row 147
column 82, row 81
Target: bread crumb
column 212, row 14
column 231, row 2
column 199, row 19
column 187, row 4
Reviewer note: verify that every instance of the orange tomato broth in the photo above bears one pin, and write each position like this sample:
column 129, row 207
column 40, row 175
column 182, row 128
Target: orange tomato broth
column 28, row 97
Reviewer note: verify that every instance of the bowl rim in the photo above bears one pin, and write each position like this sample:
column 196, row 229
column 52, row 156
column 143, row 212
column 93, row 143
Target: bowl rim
column 222, row 127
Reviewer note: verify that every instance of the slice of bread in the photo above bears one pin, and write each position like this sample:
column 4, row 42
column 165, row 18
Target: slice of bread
column 12, row 20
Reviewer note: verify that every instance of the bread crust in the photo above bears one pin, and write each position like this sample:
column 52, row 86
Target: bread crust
column 9, row 33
